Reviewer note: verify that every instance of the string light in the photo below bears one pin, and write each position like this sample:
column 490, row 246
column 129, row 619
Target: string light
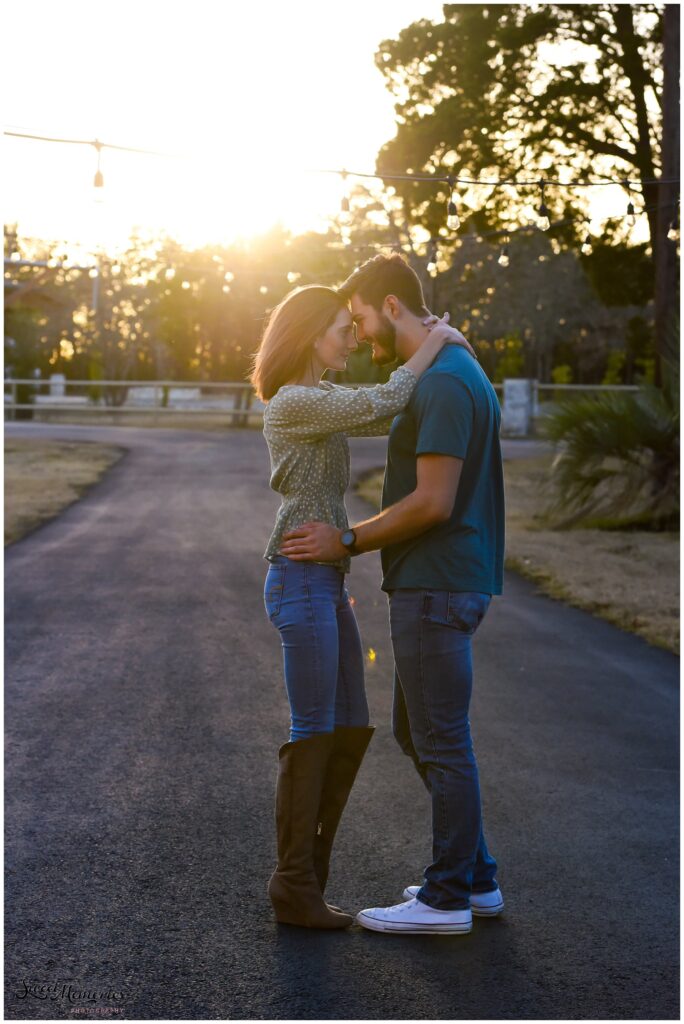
column 543, row 219
column 432, row 261
column 98, row 180
column 453, row 220
column 503, row 260
column 631, row 214
column 673, row 231
column 587, row 247
column 345, row 210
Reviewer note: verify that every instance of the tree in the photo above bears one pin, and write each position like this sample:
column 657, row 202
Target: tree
column 496, row 88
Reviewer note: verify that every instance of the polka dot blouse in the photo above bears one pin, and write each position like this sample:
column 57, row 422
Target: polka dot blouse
column 306, row 430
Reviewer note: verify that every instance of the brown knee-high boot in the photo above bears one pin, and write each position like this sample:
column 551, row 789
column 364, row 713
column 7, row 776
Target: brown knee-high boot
column 350, row 745
column 293, row 888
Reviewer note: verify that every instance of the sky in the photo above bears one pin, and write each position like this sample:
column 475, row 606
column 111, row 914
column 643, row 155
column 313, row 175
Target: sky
column 248, row 99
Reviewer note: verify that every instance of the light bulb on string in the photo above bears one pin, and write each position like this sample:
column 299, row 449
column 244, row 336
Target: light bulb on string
column 453, row 220
column 631, row 213
column 503, row 260
column 587, row 247
column 98, row 180
column 432, row 261
column 345, row 210
column 543, row 218
column 673, row 230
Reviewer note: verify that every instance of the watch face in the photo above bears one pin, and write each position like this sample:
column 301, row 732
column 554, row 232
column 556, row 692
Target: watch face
column 348, row 538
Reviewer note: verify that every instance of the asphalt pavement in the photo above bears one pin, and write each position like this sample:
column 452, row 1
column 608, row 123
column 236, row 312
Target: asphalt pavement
column 144, row 706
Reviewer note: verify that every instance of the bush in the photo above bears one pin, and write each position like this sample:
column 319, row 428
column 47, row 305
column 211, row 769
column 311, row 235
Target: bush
column 511, row 361
column 618, row 457
column 562, row 374
column 615, row 368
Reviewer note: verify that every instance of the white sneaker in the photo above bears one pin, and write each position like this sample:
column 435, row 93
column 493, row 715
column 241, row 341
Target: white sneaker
column 415, row 918
column 482, row 904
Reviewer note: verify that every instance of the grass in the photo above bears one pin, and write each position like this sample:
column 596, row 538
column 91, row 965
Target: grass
column 44, row 477
column 630, row 578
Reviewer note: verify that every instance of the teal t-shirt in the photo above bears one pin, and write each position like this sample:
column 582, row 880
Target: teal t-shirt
column 454, row 410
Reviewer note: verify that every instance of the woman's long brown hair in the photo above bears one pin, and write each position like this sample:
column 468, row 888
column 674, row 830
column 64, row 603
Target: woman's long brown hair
column 287, row 342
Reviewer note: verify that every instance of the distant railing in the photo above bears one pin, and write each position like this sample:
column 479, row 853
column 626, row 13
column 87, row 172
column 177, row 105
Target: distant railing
column 156, row 398
column 234, row 400
column 545, row 395
column 585, row 387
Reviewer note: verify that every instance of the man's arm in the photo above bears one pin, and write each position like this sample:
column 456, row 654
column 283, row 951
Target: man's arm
column 432, row 502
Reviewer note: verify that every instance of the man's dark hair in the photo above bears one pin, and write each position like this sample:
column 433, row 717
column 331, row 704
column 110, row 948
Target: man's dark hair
column 384, row 275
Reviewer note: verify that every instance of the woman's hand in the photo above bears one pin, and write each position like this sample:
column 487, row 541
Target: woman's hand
column 451, row 335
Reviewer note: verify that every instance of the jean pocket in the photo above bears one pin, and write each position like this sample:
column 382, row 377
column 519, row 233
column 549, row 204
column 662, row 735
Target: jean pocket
column 467, row 609
column 273, row 589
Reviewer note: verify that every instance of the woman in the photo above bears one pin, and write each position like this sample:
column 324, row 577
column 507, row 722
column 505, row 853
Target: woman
column 306, row 423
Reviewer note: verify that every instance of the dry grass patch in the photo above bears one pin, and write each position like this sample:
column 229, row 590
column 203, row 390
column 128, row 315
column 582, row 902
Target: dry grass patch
column 630, row 578
column 43, row 477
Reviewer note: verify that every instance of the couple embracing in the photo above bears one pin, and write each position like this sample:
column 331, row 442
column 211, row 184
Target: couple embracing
column 441, row 537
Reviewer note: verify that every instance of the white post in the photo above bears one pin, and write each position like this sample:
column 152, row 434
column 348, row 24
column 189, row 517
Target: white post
column 516, row 415
column 57, row 385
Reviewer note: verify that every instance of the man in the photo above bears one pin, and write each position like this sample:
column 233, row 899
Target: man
column 441, row 535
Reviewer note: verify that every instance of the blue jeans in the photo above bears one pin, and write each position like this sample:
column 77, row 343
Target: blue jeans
column 431, row 637
column 309, row 605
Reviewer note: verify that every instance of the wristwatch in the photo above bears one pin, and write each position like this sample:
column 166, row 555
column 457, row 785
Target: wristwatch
column 348, row 538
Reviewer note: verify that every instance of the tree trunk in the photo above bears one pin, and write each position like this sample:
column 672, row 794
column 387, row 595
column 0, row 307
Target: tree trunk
column 665, row 251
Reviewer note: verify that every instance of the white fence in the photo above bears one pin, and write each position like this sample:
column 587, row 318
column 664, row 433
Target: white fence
column 524, row 401
column 38, row 399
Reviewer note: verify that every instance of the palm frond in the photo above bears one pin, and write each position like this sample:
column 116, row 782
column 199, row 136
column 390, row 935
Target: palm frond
column 617, row 455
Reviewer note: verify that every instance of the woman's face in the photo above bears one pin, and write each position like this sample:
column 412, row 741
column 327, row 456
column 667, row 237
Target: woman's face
column 334, row 347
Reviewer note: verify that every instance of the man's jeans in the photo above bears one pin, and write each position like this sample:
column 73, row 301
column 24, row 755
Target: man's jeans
column 431, row 636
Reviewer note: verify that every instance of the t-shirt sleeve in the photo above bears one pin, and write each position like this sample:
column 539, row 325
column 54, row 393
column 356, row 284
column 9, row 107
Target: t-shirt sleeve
column 312, row 413
column 444, row 412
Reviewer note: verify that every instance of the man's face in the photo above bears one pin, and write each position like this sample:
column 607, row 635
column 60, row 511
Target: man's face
column 375, row 328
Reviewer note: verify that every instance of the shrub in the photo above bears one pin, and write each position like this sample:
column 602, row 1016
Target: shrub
column 615, row 368
column 562, row 374
column 510, row 361
column 618, row 456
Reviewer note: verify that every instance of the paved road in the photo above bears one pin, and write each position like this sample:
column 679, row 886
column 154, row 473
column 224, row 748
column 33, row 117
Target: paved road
column 144, row 707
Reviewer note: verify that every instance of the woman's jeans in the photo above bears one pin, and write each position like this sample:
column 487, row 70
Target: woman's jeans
column 308, row 603
column 431, row 637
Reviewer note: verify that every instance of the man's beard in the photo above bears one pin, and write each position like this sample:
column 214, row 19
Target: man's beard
column 386, row 340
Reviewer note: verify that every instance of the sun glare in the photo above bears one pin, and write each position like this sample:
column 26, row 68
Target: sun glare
column 245, row 104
